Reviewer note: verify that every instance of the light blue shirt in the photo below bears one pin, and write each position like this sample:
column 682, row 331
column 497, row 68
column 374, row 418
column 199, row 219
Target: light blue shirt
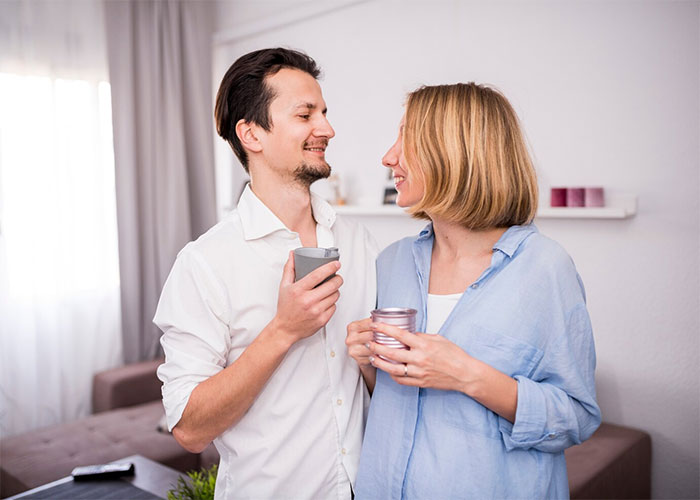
column 525, row 316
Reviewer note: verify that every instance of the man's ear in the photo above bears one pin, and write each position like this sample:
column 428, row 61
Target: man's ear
column 247, row 135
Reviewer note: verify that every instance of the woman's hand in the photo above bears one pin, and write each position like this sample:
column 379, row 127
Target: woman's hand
column 358, row 338
column 432, row 361
column 435, row 362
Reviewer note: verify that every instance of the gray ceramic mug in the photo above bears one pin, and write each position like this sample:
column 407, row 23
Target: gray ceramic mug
column 306, row 259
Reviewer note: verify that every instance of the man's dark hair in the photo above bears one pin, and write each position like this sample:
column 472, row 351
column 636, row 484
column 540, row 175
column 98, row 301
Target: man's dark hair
column 244, row 94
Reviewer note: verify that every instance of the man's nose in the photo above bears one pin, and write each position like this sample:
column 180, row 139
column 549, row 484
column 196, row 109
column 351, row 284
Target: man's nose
column 324, row 129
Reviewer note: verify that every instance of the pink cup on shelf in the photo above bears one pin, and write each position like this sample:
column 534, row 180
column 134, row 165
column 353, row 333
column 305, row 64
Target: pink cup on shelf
column 575, row 197
column 557, row 197
column 594, row 197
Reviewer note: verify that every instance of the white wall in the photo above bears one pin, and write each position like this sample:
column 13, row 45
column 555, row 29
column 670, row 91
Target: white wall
column 609, row 94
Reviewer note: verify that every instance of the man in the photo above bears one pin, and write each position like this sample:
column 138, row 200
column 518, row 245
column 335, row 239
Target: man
column 255, row 361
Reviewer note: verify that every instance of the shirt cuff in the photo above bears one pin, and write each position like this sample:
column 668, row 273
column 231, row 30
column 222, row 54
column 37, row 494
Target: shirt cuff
column 530, row 418
column 174, row 408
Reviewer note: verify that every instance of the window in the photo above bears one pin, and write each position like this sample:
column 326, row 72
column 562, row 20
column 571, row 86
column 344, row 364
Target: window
column 59, row 273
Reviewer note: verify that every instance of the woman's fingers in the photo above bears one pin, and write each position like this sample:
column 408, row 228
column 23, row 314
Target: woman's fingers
column 393, row 369
column 357, row 340
column 405, row 337
column 402, row 373
column 361, row 338
column 398, row 355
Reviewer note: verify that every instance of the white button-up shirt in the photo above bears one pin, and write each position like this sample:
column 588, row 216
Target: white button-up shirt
column 301, row 437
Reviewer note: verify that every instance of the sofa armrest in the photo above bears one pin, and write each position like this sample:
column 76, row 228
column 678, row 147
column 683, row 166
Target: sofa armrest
column 614, row 463
column 126, row 386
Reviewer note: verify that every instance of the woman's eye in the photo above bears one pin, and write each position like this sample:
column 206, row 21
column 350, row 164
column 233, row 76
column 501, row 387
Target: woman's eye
column 305, row 117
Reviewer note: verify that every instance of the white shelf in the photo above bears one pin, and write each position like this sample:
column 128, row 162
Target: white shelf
column 619, row 207
column 369, row 210
column 583, row 213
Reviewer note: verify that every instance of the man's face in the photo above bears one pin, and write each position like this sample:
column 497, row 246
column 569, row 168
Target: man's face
column 296, row 144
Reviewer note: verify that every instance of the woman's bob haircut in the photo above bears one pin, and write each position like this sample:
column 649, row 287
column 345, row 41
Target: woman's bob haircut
column 464, row 141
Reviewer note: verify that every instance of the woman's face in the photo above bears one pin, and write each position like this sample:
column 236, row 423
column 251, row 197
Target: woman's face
column 410, row 188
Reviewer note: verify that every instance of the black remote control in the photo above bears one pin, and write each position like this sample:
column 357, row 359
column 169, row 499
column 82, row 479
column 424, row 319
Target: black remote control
column 104, row 471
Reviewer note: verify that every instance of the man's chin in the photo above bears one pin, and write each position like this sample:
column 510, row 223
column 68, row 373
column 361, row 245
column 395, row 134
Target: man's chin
column 307, row 174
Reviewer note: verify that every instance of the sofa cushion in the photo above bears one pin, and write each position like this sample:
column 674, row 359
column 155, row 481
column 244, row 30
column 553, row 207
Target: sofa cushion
column 44, row 455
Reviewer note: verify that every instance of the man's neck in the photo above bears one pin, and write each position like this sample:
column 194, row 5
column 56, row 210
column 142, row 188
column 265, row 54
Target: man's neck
column 290, row 202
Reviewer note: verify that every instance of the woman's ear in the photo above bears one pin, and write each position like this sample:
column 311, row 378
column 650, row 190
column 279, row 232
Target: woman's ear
column 247, row 135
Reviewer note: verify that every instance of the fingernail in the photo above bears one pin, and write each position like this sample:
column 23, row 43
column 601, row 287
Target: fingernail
column 367, row 345
column 371, row 359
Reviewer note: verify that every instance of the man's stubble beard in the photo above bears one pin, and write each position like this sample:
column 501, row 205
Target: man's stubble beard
column 306, row 174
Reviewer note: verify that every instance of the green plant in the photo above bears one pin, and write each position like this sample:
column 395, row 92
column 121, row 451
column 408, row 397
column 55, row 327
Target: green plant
column 199, row 485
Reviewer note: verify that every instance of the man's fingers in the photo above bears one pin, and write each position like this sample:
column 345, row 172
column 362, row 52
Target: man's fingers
column 319, row 274
column 288, row 271
column 329, row 301
column 328, row 288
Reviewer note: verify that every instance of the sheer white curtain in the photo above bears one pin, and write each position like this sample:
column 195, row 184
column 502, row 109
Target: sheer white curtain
column 59, row 275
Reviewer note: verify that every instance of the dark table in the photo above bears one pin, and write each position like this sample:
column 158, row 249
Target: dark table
column 150, row 480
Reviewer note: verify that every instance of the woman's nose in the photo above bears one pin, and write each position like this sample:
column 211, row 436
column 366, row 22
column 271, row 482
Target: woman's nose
column 391, row 157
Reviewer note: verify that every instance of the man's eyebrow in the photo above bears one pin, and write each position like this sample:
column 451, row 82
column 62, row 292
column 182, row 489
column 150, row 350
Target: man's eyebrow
column 307, row 105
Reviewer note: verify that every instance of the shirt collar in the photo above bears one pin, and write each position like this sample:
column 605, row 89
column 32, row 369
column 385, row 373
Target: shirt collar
column 259, row 221
column 427, row 232
column 509, row 241
column 323, row 212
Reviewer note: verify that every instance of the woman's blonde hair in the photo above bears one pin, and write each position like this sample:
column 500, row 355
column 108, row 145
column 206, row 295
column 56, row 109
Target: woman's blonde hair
column 464, row 140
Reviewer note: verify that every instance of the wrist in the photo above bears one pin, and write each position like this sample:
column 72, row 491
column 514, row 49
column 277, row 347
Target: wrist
column 472, row 378
column 276, row 333
column 367, row 370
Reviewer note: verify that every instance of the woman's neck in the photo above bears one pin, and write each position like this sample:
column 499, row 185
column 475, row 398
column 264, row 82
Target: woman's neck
column 460, row 255
column 454, row 241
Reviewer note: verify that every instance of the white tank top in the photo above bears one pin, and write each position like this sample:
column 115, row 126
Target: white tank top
column 439, row 308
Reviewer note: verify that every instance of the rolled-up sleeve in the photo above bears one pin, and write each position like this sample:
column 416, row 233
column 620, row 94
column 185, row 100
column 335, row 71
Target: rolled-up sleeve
column 557, row 405
column 193, row 316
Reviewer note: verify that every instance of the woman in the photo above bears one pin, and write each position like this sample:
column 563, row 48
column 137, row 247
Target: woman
column 485, row 402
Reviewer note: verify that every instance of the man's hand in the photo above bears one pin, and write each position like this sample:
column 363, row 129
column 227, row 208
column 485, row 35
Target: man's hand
column 220, row 401
column 305, row 306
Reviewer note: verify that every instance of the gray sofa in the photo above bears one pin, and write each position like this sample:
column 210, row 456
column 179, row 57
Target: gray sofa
column 614, row 463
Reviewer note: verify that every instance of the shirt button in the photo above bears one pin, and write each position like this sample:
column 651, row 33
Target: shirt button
column 344, row 451
column 332, row 354
column 475, row 286
column 340, row 402
column 551, row 435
